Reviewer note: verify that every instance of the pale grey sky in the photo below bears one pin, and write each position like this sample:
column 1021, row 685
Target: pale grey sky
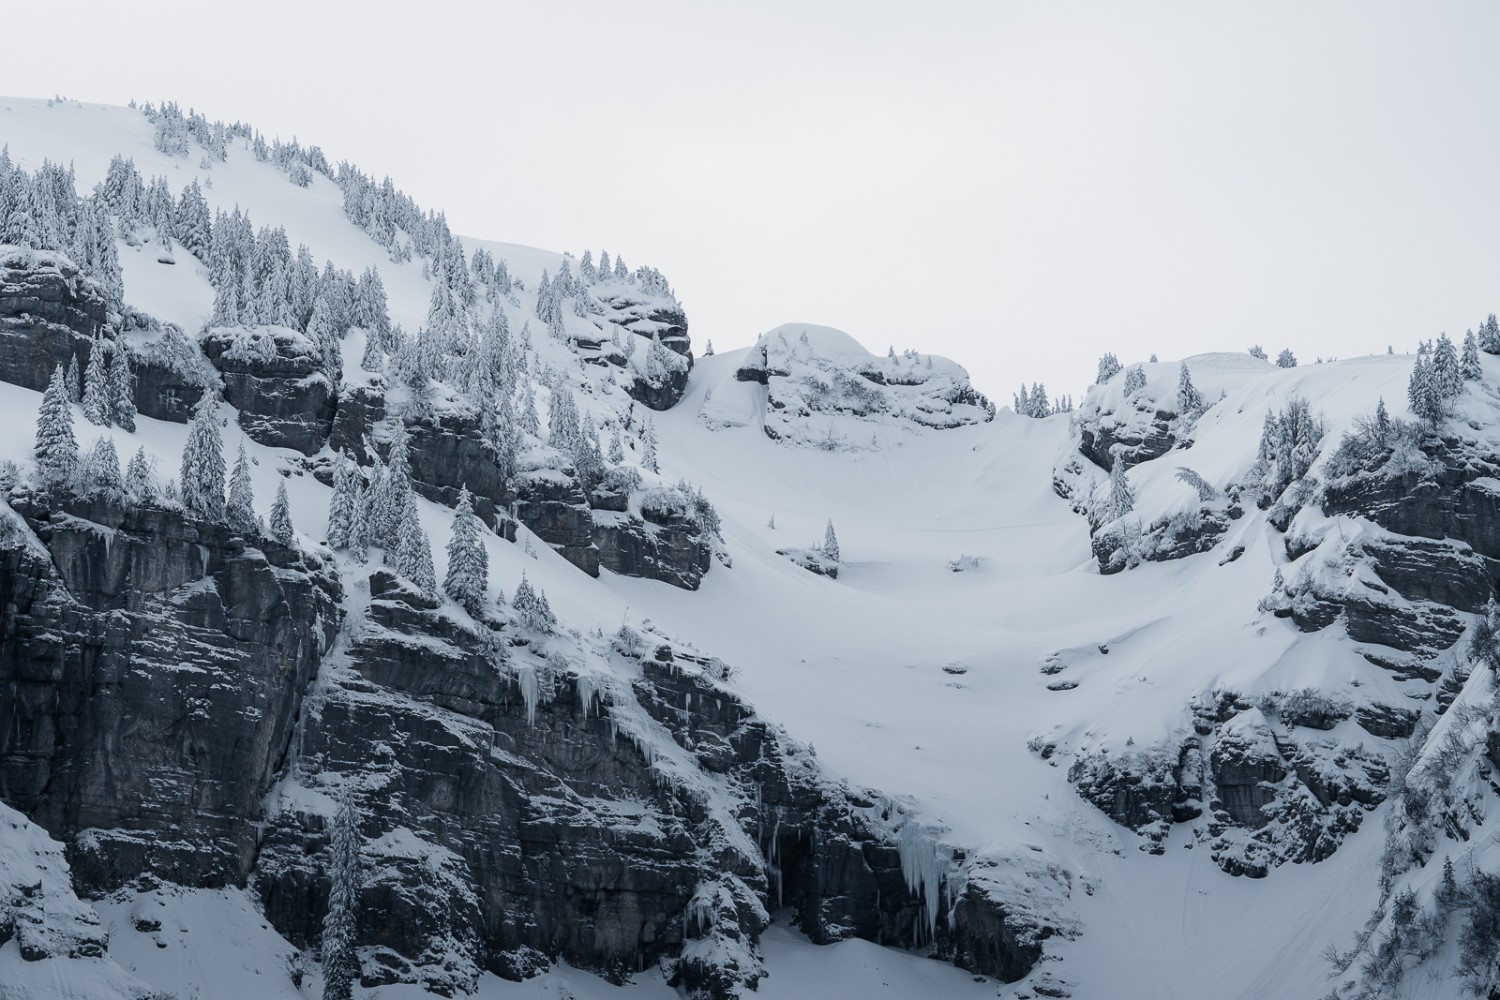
column 1019, row 186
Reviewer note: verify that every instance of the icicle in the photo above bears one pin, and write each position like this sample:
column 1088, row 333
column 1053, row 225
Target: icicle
column 531, row 690
column 921, row 869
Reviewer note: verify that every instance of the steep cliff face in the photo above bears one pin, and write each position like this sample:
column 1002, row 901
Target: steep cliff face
column 154, row 666
column 187, row 701
column 271, row 377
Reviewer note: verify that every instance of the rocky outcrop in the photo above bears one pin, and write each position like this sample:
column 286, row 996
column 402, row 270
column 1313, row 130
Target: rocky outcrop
column 1138, row 437
column 271, row 377
column 553, row 505
column 49, row 312
column 154, row 667
column 661, row 542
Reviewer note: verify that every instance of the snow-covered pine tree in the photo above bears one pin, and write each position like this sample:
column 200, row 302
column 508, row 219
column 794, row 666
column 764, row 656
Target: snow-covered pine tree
column 531, row 422
column 393, row 489
column 544, row 298
column 140, row 482
column 468, row 562
column 74, row 381
column 121, row 389
column 648, row 447
column 56, row 448
column 1489, row 335
column 281, row 516
column 1256, row 351
column 1470, row 362
column 1121, row 496
column 588, row 461
column 708, row 349
column 1109, row 365
column 202, row 479
column 531, row 606
column 341, row 919
column 1445, row 373
column 1189, row 399
column 562, row 419
column 341, row 503
column 616, row 447
column 96, row 401
column 414, row 553
column 1135, row 380
column 1286, row 359
column 99, row 474
column 830, row 542
column 359, row 526
column 239, row 508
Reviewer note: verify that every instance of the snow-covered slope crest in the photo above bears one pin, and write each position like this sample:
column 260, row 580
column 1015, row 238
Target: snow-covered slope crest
column 823, row 389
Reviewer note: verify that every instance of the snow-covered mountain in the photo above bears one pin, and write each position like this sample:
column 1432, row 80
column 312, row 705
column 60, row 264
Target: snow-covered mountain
column 1186, row 692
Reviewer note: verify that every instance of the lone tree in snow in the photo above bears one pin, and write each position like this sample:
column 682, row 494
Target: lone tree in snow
column 341, row 921
column 468, row 562
column 830, row 542
column 1121, row 496
column 1286, row 359
column 239, row 510
column 1189, row 399
column 532, row 607
column 1470, row 361
column 56, row 448
column 281, row 516
column 74, row 381
column 1108, row 366
column 202, row 480
column 96, row 398
column 648, row 446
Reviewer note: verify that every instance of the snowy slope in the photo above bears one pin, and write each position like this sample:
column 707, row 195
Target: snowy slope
column 905, row 674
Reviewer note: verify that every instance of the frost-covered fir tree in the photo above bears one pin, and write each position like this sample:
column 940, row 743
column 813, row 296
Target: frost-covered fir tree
column 359, row 527
column 1470, row 362
column 99, row 475
column 616, row 447
column 393, row 490
column 1189, row 399
column 587, row 459
column 531, row 422
column 341, row 920
column 648, row 447
column 468, row 562
column 341, row 504
column 281, row 516
column 1256, row 351
column 708, row 349
column 1382, row 425
column 830, row 542
column 74, row 381
column 202, row 479
column 1135, row 380
column 1286, row 359
column 1121, row 496
column 562, row 419
column 531, row 607
column 1446, row 372
column 413, row 552
column 1109, row 365
column 121, row 389
column 140, row 481
column 1489, row 335
column 56, row 448
column 96, row 401
column 239, row 508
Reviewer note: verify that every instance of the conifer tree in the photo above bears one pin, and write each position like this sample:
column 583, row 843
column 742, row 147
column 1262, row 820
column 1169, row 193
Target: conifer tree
column 341, row 920
column 121, row 390
column 1108, row 366
column 1489, row 335
column 531, row 422
column 1382, row 423
column 239, row 509
column 708, row 349
column 96, row 401
column 1286, row 359
column 830, row 542
column 616, row 447
column 1446, row 373
column 648, row 447
column 140, row 483
column 562, row 419
column 202, row 479
column 587, row 459
column 341, row 504
column 56, row 448
column 74, row 381
column 281, row 516
column 389, row 505
column 413, row 552
column 1135, row 380
column 531, row 606
column 1470, row 363
column 359, row 526
column 468, row 562
column 1189, row 399
column 99, row 473
column 1121, row 496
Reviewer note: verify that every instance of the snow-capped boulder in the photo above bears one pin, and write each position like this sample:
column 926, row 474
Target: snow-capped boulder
column 823, row 390
column 271, row 377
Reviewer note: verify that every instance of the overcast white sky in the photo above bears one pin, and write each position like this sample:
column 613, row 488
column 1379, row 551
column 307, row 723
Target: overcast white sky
column 1020, row 186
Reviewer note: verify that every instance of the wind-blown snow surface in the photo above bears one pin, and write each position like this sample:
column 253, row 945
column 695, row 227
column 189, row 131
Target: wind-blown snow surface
column 904, row 674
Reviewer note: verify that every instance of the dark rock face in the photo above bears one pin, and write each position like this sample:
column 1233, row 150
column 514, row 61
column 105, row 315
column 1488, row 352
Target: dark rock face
column 282, row 399
column 48, row 313
column 1105, row 438
column 659, row 545
column 553, row 505
column 154, row 666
